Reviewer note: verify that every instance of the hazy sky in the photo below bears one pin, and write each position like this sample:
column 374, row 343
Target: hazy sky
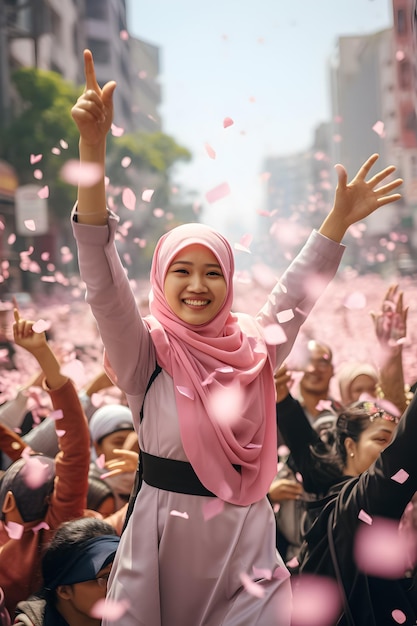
column 262, row 63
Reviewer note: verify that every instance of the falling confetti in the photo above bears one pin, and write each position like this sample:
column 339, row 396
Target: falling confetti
column 218, row 193
column 147, row 195
column 227, row 122
column 210, row 151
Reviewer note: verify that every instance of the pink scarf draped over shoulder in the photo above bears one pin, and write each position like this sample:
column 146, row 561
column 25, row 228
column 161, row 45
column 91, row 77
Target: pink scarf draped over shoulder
column 220, row 363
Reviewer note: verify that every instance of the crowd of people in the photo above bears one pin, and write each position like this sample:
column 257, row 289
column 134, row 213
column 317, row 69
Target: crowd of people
column 223, row 476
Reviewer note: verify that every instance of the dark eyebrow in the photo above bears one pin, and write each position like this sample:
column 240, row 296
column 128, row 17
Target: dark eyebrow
column 190, row 263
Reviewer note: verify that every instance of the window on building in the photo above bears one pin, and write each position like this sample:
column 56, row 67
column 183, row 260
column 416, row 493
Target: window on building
column 97, row 9
column 100, row 50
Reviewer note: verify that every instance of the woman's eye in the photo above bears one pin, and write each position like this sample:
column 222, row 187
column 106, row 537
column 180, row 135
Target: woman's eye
column 180, row 271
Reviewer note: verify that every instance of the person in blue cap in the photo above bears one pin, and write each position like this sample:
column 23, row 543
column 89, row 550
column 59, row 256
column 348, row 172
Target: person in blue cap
column 75, row 569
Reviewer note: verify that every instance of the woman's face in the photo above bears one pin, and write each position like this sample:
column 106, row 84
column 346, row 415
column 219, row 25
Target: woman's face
column 110, row 443
column 194, row 287
column 366, row 450
column 362, row 384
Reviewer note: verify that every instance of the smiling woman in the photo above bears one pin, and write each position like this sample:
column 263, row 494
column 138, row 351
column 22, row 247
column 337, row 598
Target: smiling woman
column 194, row 286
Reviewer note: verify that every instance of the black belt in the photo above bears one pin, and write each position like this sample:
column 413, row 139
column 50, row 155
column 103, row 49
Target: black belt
column 171, row 475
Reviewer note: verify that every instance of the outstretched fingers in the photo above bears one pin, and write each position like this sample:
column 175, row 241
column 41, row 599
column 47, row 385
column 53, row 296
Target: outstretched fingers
column 364, row 170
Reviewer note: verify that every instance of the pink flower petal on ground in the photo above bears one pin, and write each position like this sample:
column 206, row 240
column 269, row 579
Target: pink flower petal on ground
column 179, row 514
column 40, row 526
column 227, row 122
column 251, row 586
column 109, row 609
column 14, row 530
column 401, row 476
column 147, row 195
column 285, row 316
column 364, row 517
column 380, row 550
column 43, row 192
column 35, row 158
column 129, row 198
column 274, row 335
column 210, row 151
column 316, row 601
column 398, row 616
column 185, row 391
column 40, row 326
column 86, row 175
column 30, row 225
column 211, row 508
column 217, row 193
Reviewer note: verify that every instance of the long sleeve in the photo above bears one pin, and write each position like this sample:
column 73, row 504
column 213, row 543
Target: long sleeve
column 129, row 350
column 299, row 289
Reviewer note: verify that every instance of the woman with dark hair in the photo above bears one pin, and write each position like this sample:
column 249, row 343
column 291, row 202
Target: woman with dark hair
column 367, row 471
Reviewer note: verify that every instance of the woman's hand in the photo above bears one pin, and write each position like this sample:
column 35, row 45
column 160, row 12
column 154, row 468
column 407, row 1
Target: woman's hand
column 356, row 200
column 93, row 111
column 391, row 321
column 126, row 461
column 285, row 489
column 283, row 383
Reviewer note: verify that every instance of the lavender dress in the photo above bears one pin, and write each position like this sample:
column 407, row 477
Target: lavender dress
column 185, row 560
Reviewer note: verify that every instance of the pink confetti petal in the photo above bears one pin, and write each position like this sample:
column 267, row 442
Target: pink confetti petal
column 30, row 225
column 38, row 174
column 238, row 246
column 129, row 198
column 274, row 335
column 260, row 572
column 364, row 517
column 210, row 151
column 285, row 316
column 158, row 212
column 212, row 507
column 147, row 195
column 35, row 158
column 40, row 526
column 109, row 609
column 398, row 616
column 379, row 128
column 316, row 601
column 227, row 122
column 251, row 586
column 179, row 514
column 117, row 131
column 100, row 461
column 380, row 550
column 86, row 174
column 56, row 415
column 41, row 326
column 60, row 433
column 43, row 192
column 14, row 530
column 185, row 391
column 355, row 300
column 37, row 472
column 401, row 476
column 217, row 193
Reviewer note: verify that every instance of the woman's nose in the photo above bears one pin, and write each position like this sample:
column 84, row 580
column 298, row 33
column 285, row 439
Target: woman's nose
column 197, row 283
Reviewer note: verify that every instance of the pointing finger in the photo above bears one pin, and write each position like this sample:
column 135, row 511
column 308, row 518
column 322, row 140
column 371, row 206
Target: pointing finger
column 90, row 73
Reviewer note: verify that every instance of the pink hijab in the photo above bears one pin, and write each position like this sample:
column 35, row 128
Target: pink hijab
column 227, row 354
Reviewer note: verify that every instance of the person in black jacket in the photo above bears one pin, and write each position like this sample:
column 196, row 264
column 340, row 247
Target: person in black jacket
column 370, row 472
